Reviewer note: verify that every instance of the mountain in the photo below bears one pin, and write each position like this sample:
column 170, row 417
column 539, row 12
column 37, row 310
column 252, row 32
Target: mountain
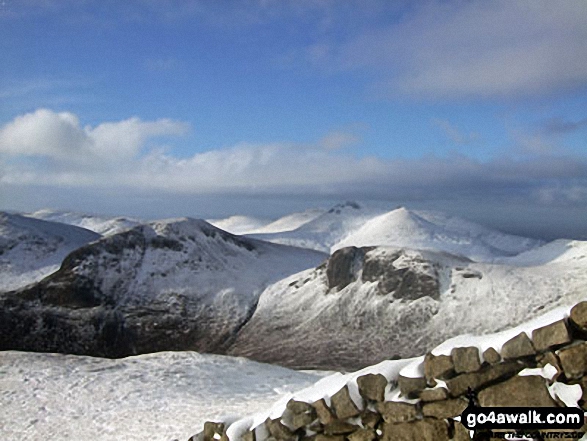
column 31, row 249
column 289, row 222
column 168, row 285
column 368, row 304
column 105, row 226
column 239, row 224
column 323, row 231
column 438, row 232
column 352, row 224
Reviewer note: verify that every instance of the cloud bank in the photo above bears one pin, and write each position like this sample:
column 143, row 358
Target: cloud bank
column 52, row 149
column 470, row 49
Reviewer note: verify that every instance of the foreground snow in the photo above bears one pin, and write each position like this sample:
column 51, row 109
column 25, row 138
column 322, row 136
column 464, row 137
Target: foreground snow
column 156, row 397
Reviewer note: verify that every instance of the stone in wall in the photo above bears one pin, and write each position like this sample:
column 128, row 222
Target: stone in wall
column 372, row 387
column 518, row 392
column 518, row 347
column 343, row 405
column 578, row 320
column 554, row 334
column 574, row 360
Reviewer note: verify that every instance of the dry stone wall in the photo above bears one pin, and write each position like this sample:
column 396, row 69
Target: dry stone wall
column 524, row 372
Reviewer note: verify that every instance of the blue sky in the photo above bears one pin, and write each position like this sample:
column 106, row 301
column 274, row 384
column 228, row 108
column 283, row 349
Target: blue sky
column 263, row 105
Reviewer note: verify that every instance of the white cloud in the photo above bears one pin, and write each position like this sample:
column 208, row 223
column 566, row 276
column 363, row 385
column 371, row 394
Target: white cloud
column 121, row 159
column 475, row 48
column 60, row 136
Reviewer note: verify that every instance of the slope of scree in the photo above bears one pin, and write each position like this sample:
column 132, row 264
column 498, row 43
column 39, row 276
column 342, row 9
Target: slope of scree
column 541, row 363
column 368, row 304
column 171, row 285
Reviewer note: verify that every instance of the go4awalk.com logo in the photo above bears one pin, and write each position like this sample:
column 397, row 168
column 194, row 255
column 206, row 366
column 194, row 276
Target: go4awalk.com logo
column 523, row 422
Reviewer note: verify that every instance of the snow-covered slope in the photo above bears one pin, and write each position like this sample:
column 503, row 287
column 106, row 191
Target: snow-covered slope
column 366, row 305
column 239, row 224
column 103, row 225
column 324, row 230
column 157, row 397
column 178, row 284
column 290, row 222
column 438, row 232
column 351, row 224
column 31, row 249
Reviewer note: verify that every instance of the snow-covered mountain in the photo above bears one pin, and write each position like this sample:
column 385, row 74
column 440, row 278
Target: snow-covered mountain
column 289, row 222
column 325, row 230
column 169, row 285
column 106, row 226
column 31, row 249
column 252, row 225
column 435, row 231
column 157, row 397
column 367, row 304
column 239, row 224
column 351, row 224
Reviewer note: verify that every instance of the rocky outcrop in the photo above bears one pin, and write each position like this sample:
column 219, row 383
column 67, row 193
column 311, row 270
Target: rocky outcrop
column 170, row 285
column 358, row 297
column 403, row 407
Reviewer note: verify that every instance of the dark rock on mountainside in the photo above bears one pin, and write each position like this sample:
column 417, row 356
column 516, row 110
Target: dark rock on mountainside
column 362, row 305
column 343, row 266
column 171, row 285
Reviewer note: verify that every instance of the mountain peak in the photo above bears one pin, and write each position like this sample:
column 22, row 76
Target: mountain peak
column 348, row 205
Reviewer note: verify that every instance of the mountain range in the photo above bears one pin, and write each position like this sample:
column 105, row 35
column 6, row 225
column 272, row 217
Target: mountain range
column 339, row 288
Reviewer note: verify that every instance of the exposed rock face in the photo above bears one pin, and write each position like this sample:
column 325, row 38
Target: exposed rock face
column 176, row 285
column 403, row 283
column 359, row 297
column 343, row 266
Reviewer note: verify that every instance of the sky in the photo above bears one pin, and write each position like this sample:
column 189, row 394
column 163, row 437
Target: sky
column 159, row 108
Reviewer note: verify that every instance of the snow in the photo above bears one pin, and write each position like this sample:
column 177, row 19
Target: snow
column 570, row 395
column 239, row 224
column 438, row 232
column 352, row 224
column 103, row 225
column 547, row 372
column 290, row 222
column 323, row 389
column 361, row 320
column 31, row 249
column 391, row 369
column 225, row 269
column 497, row 340
column 323, row 231
column 158, row 397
